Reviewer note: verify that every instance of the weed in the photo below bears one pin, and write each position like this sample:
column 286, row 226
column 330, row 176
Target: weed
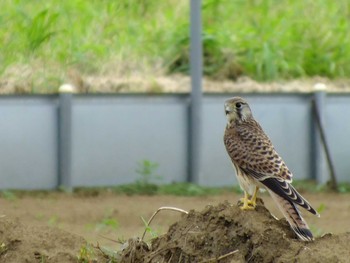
column 145, row 183
column 148, row 229
column 309, row 186
column 147, row 171
column 3, row 248
column 187, row 189
column 8, row 195
column 39, row 28
column 321, row 208
column 316, row 231
column 147, row 224
column 111, row 255
column 86, row 254
column 344, row 187
column 53, row 220
column 39, row 216
column 107, row 222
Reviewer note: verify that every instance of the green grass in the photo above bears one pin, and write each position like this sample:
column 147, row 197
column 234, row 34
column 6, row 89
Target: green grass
column 176, row 189
column 107, row 222
column 265, row 40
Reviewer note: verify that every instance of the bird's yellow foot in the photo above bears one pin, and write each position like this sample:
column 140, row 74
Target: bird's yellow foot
column 247, row 204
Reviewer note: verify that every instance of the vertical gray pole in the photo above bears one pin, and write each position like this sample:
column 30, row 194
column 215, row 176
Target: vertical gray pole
column 65, row 137
column 195, row 124
column 320, row 166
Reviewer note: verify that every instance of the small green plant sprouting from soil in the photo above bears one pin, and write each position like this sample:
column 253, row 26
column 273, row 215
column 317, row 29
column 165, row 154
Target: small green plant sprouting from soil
column 53, row 220
column 40, row 216
column 145, row 184
column 344, row 187
column 107, row 222
column 3, row 248
column 321, row 208
column 148, row 229
column 8, row 195
column 86, row 254
column 147, row 171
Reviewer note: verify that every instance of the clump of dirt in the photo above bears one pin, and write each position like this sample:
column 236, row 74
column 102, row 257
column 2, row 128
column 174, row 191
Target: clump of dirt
column 20, row 243
column 224, row 233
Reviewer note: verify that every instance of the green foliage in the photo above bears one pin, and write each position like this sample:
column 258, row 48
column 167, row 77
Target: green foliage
column 265, row 40
column 321, row 208
column 110, row 255
column 344, row 188
column 314, row 187
column 148, row 229
column 309, row 186
column 86, row 254
column 187, row 189
column 39, row 28
column 145, row 184
column 147, row 172
column 3, row 248
column 317, row 232
column 107, row 222
column 53, row 220
column 216, row 61
column 8, row 195
column 178, row 189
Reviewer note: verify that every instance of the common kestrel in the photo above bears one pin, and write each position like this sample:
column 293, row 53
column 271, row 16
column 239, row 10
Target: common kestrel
column 258, row 165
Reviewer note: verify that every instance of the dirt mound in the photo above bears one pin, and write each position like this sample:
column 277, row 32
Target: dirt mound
column 20, row 243
column 224, row 233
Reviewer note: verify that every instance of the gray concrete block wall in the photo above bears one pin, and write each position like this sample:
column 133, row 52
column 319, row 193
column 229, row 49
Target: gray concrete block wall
column 112, row 133
column 28, row 142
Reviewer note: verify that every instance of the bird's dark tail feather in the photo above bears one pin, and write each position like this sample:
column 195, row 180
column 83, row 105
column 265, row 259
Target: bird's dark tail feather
column 293, row 216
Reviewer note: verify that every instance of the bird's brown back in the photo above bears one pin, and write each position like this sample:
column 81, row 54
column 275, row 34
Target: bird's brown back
column 249, row 147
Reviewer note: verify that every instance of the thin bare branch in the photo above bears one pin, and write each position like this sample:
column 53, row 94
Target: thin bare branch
column 160, row 209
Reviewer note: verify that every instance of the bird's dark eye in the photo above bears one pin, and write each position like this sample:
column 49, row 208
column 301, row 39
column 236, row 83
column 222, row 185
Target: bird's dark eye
column 238, row 105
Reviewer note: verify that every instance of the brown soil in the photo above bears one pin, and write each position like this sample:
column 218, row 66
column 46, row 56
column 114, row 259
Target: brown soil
column 225, row 233
column 24, row 243
column 55, row 227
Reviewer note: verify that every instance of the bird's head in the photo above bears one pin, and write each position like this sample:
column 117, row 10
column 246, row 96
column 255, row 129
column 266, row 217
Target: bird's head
column 237, row 110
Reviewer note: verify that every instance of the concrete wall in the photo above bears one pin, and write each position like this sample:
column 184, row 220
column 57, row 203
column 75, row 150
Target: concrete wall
column 112, row 133
column 28, row 142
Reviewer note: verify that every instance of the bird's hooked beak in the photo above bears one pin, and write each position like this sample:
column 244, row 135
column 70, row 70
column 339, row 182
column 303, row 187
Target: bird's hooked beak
column 228, row 110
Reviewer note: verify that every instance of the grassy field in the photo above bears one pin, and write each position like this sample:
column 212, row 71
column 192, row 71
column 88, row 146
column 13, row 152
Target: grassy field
column 265, row 40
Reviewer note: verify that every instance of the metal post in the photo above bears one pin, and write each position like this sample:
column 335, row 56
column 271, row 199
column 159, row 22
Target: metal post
column 320, row 167
column 65, row 137
column 319, row 104
column 195, row 124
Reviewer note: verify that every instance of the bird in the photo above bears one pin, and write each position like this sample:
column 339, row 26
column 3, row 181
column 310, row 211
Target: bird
column 258, row 165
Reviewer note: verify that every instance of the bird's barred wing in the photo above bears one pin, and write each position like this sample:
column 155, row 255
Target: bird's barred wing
column 256, row 153
column 282, row 188
column 267, row 162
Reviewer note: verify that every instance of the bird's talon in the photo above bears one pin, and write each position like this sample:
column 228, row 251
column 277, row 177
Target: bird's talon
column 247, row 207
column 248, row 202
